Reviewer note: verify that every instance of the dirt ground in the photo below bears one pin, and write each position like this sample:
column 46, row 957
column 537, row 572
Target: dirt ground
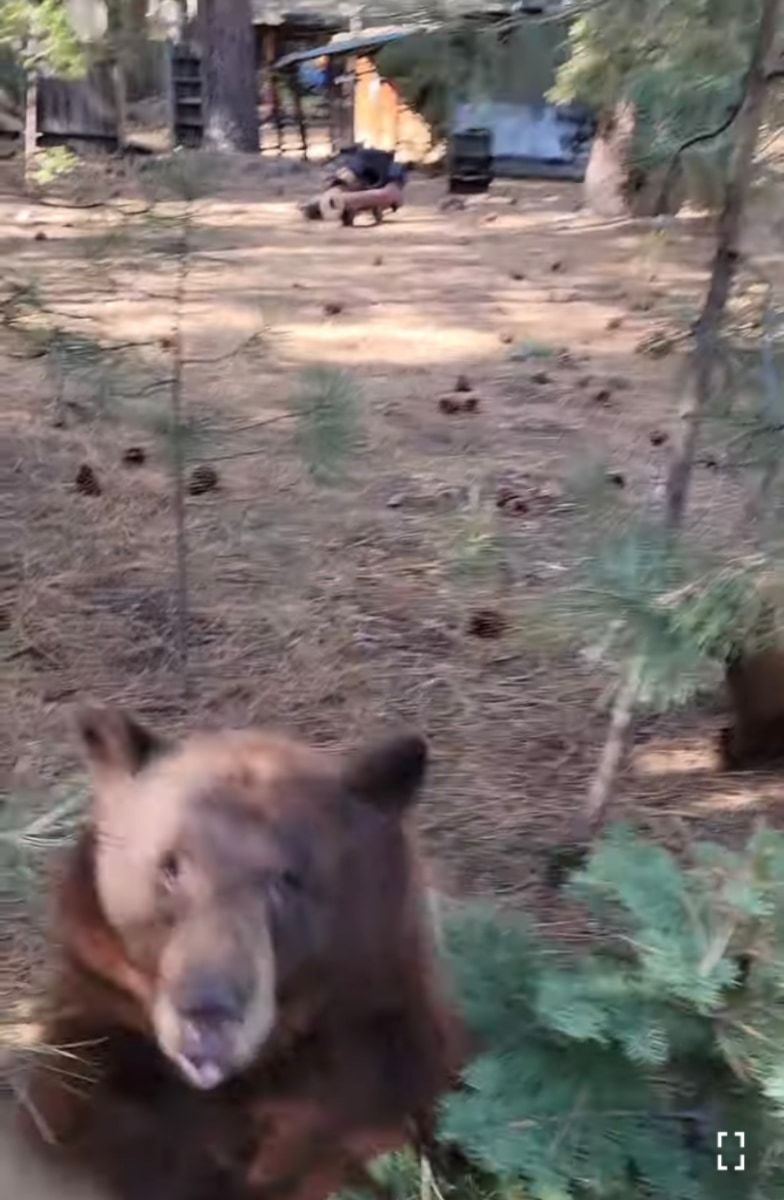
column 338, row 609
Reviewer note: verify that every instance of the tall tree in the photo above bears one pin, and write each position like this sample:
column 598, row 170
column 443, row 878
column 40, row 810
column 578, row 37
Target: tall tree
column 227, row 36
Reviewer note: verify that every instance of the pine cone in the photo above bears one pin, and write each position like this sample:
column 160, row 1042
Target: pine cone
column 203, row 479
column 87, row 481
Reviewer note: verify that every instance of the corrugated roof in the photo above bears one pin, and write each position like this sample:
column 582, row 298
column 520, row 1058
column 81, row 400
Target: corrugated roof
column 373, row 12
column 348, row 44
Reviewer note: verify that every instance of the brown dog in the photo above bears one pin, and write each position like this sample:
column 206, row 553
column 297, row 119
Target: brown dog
column 248, row 984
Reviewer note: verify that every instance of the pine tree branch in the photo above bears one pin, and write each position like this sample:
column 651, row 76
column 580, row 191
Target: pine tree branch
column 707, row 333
column 157, row 385
column 178, row 464
column 244, row 453
column 219, row 358
column 260, row 422
column 709, row 136
column 612, row 754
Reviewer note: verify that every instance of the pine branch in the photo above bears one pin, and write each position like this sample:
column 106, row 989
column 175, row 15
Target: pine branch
column 178, row 462
column 327, row 406
column 219, row 358
column 256, row 449
column 612, row 753
column 698, row 139
column 707, row 334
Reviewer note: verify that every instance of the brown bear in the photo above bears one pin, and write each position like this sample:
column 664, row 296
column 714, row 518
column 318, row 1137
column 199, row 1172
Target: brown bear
column 248, row 1003
column 755, row 686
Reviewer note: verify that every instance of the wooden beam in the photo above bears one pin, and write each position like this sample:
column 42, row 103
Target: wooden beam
column 121, row 104
column 269, row 52
column 277, row 115
column 300, row 112
column 31, row 123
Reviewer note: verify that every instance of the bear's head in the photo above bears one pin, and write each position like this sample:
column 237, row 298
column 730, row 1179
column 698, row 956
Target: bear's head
column 236, row 875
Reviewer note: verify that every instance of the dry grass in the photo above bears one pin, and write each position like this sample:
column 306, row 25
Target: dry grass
column 334, row 610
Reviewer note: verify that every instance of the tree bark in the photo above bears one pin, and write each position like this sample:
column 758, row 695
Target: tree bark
column 30, row 124
column 614, row 186
column 707, row 344
column 231, row 113
column 725, row 262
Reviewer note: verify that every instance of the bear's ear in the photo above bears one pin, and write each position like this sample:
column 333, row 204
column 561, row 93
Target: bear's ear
column 388, row 773
column 114, row 742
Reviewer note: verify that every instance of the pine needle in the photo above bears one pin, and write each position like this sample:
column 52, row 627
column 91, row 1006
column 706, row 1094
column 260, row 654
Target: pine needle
column 327, row 405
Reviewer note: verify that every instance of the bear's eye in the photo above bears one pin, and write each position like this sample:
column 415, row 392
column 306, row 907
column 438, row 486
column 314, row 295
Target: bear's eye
column 169, row 868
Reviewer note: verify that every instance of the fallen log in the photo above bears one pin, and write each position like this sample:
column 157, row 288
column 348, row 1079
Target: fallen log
column 338, row 204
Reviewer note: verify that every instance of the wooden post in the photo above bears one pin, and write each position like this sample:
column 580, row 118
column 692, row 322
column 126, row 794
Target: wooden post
column 396, row 135
column 120, row 104
column 276, row 111
column 300, row 112
column 31, row 123
column 332, row 103
column 268, row 56
column 171, row 101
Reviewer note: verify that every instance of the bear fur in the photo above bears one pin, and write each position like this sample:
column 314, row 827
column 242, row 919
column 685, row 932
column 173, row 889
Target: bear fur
column 247, row 1003
column 755, row 686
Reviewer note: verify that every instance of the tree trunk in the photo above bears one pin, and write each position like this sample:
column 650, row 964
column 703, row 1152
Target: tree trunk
column 614, row 186
column 707, row 339
column 31, row 124
column 231, row 120
column 725, row 261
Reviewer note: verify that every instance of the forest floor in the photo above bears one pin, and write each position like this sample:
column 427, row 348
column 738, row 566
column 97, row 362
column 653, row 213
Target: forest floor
column 335, row 609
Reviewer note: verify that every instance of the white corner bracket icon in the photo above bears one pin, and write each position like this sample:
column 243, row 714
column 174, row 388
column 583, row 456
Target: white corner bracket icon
column 740, row 1165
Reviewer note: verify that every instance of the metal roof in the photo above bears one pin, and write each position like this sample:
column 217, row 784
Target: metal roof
column 346, row 45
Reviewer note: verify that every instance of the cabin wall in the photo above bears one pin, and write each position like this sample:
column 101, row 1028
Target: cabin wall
column 383, row 120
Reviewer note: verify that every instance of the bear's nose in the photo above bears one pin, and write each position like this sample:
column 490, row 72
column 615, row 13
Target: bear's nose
column 209, row 1000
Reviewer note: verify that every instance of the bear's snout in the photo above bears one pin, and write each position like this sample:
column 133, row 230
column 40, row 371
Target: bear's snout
column 215, row 1003
column 212, row 1000
column 210, row 1010
column 206, row 1051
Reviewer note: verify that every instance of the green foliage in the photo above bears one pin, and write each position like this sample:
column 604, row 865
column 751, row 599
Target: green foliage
column 661, row 602
column 25, row 840
column 749, row 411
column 680, row 63
column 476, row 549
column 55, row 162
column 607, row 1074
column 678, row 612
column 40, row 34
column 327, row 405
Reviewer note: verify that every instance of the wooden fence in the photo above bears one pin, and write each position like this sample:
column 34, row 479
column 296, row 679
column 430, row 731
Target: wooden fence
column 89, row 109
